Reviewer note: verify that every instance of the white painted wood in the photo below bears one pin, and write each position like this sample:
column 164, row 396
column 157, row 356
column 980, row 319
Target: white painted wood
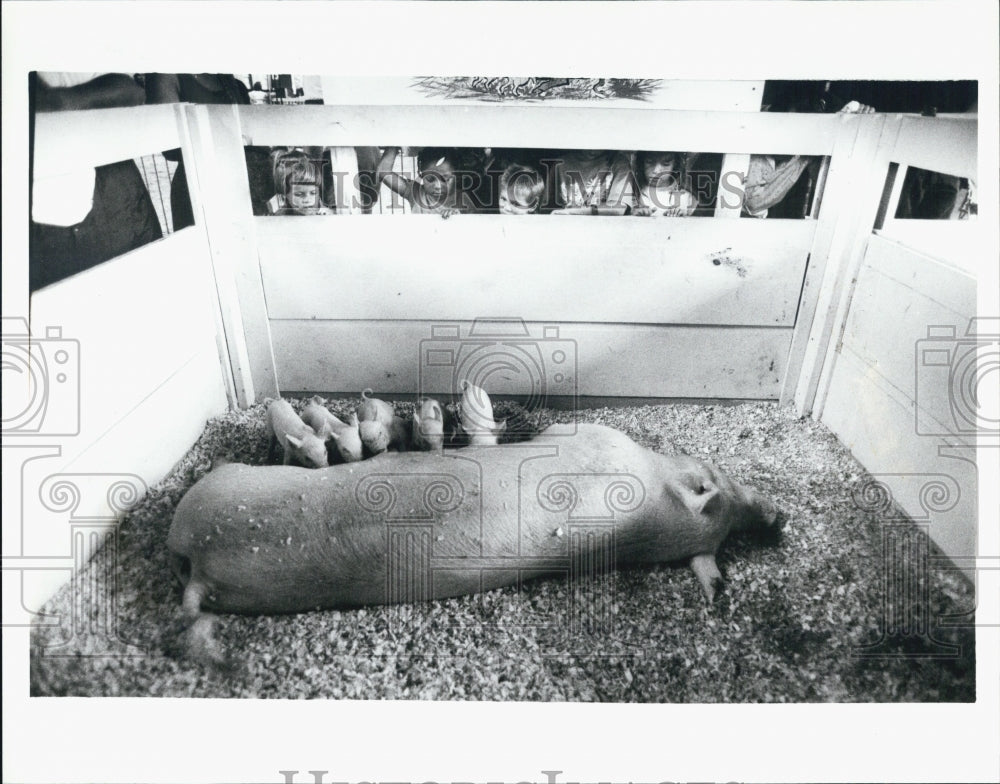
column 897, row 149
column 878, row 425
column 734, row 173
column 199, row 235
column 824, row 171
column 689, row 95
column 220, row 168
column 405, row 357
column 68, row 141
column 920, row 300
column 645, row 270
column 142, row 377
column 136, row 320
column 146, row 442
column 895, row 194
column 542, row 126
column 855, row 183
column 958, row 243
column 888, row 388
column 948, row 145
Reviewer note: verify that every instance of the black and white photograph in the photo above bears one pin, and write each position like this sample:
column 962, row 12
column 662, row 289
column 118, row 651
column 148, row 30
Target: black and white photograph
column 390, row 396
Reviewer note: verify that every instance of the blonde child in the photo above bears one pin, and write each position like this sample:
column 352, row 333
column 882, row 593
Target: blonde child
column 521, row 190
column 299, row 183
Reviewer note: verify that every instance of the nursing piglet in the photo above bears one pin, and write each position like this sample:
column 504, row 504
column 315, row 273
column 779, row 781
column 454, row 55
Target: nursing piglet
column 428, row 426
column 379, row 427
column 344, row 435
column 298, row 441
column 476, row 415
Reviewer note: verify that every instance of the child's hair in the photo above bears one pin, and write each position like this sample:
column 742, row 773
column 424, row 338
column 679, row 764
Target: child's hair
column 429, row 156
column 295, row 167
column 523, row 186
column 643, row 156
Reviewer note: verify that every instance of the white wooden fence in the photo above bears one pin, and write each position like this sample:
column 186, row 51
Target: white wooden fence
column 823, row 314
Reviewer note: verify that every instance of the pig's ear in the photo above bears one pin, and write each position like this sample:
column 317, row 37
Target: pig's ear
column 707, row 498
column 296, row 442
column 353, row 421
column 416, row 420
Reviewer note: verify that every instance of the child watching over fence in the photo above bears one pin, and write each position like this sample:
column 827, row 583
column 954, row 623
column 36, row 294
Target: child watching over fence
column 521, row 190
column 593, row 182
column 298, row 182
column 770, row 179
column 435, row 191
column 659, row 176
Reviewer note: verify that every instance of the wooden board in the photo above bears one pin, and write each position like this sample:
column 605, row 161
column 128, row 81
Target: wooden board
column 854, row 186
column 942, row 144
column 560, row 268
column 135, row 320
column 891, row 397
column 542, row 126
column 143, row 375
column 407, row 357
column 876, row 423
column 69, row 141
column 224, row 211
column 920, row 300
column 959, row 243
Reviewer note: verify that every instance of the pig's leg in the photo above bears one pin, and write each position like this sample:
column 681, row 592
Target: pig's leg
column 199, row 640
column 708, row 574
column 272, row 443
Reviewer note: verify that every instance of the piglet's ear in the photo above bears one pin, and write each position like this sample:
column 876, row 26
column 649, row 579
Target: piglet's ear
column 353, row 421
column 296, row 442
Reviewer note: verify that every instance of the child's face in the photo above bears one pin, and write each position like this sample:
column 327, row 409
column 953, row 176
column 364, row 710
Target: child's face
column 516, row 194
column 659, row 170
column 438, row 179
column 302, row 195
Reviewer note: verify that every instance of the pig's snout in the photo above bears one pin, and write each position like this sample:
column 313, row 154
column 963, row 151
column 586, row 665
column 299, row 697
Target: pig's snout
column 768, row 514
column 764, row 519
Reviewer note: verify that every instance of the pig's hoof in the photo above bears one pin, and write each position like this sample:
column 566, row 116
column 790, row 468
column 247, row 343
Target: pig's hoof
column 202, row 645
column 715, row 586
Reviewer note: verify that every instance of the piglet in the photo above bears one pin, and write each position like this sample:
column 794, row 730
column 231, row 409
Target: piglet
column 379, row 427
column 476, row 415
column 297, row 439
column 344, row 435
column 373, row 409
column 428, row 426
column 374, row 419
column 376, row 438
